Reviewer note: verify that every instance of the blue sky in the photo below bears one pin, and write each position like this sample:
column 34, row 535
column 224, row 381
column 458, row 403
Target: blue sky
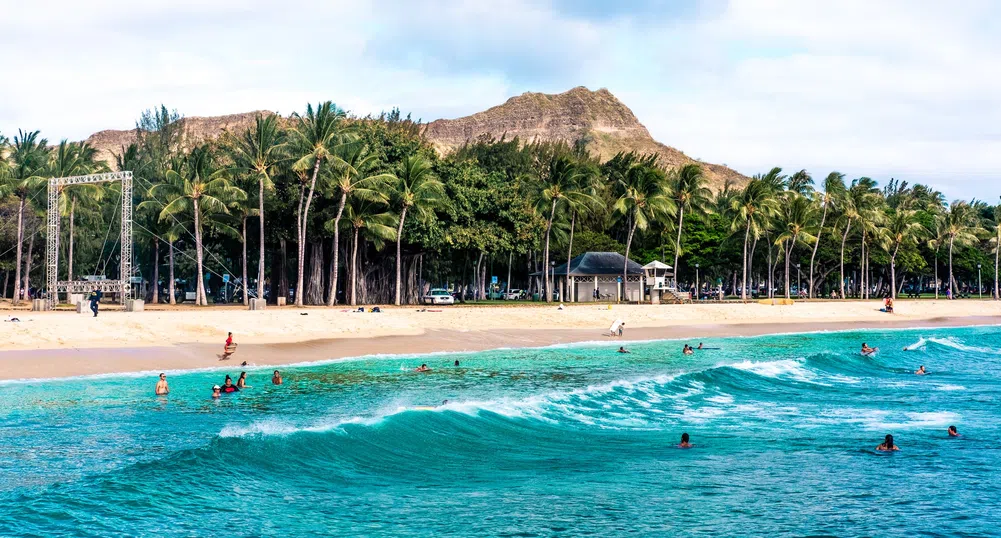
column 884, row 88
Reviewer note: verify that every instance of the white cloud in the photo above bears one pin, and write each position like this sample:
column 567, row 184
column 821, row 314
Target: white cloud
column 880, row 87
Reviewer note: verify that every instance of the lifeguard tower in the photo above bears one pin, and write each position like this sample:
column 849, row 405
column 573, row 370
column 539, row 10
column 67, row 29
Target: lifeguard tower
column 659, row 278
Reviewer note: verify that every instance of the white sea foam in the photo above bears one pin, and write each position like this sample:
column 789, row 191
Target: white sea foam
column 955, row 344
column 920, row 344
column 950, row 387
column 785, row 368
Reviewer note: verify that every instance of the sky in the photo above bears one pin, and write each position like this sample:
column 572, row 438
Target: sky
column 909, row 89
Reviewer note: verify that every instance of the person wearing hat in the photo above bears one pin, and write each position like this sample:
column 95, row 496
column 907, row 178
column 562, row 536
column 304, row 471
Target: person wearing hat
column 216, row 391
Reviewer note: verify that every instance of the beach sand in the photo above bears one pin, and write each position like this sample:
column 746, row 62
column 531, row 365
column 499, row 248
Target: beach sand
column 61, row 343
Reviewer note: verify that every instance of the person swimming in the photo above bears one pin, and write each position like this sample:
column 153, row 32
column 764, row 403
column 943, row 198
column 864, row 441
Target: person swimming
column 687, row 350
column 277, row 378
column 423, row 368
column 921, row 370
column 888, row 445
column 684, row 441
column 456, row 363
column 953, row 432
column 700, row 345
column 229, row 387
column 866, row 349
column 623, row 350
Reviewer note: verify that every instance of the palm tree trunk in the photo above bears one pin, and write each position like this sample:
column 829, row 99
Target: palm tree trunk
column 260, row 259
column 573, row 223
column 768, row 266
column 510, row 260
column 200, row 298
column 743, row 288
column 893, row 273
column 545, row 255
column 936, row 274
column 625, row 264
column 354, row 268
column 302, row 227
column 27, row 262
column 170, row 285
column 997, row 255
column 20, row 242
column 69, row 258
column 156, row 271
column 816, row 245
column 399, row 239
column 952, row 280
column 788, row 253
column 844, row 238
column 246, row 298
column 334, row 273
column 677, row 242
column 300, row 248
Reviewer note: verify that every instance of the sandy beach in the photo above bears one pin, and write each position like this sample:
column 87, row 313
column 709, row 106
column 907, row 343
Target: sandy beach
column 60, row 344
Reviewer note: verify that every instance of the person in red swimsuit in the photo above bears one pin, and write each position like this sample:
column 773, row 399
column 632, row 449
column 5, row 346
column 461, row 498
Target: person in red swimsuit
column 229, row 348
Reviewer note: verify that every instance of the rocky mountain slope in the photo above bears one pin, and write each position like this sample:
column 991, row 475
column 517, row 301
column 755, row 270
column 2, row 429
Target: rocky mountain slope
column 597, row 116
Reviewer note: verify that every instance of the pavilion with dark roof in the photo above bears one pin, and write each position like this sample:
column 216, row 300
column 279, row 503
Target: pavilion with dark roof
column 596, row 276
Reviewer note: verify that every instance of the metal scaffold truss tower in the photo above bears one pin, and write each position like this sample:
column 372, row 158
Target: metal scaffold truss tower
column 55, row 286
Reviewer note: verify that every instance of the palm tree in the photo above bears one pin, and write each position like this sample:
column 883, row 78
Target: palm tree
column 834, row 188
column 587, row 203
column 751, row 209
column 854, row 203
column 690, row 192
column 643, row 200
column 961, row 227
column 378, row 224
column 901, row 228
column 72, row 159
column 561, row 184
column 316, row 136
column 996, row 241
column 259, row 152
column 200, row 191
column 414, row 188
column 28, row 160
column 796, row 216
column 357, row 174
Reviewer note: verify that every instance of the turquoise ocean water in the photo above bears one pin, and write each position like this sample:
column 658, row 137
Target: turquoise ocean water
column 561, row 441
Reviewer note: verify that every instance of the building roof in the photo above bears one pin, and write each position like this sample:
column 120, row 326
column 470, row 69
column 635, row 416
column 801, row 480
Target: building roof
column 597, row 263
column 657, row 264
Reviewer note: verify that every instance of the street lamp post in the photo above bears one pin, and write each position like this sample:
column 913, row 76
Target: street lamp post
column 980, row 283
column 696, row 281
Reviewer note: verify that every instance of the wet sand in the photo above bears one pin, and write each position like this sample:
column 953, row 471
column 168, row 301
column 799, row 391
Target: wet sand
column 55, row 363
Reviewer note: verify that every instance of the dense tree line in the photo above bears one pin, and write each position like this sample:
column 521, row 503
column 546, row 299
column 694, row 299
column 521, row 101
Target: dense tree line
column 327, row 208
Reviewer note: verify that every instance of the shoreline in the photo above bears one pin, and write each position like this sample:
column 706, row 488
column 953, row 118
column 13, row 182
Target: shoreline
column 27, row 365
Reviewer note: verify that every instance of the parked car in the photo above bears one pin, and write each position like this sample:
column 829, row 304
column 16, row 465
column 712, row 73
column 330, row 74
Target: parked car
column 439, row 296
column 514, row 295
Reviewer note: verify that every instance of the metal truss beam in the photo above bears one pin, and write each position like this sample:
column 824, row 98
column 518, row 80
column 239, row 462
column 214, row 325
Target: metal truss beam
column 53, row 285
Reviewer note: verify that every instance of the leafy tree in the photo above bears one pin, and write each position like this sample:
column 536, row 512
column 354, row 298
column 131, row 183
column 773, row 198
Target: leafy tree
column 690, row 192
column 834, row 189
column 316, row 137
column 796, row 216
column 24, row 177
column 902, row 228
column 413, row 188
column 643, row 200
column 750, row 210
column 199, row 190
column 961, row 227
column 258, row 153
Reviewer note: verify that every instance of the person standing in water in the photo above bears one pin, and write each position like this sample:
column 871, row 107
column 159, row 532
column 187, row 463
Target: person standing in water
column 277, row 378
column 953, row 432
column 685, row 442
column 161, row 386
column 241, row 382
column 216, row 392
column 888, row 445
column 921, row 370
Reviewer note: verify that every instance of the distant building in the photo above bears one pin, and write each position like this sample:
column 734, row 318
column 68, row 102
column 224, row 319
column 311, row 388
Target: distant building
column 595, row 276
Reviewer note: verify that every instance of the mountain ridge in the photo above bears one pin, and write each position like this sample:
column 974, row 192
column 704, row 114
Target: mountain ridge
column 606, row 124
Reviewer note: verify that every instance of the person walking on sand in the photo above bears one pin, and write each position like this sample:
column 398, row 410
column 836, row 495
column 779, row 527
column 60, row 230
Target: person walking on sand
column 95, row 300
column 161, row 386
column 229, row 348
column 277, row 378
